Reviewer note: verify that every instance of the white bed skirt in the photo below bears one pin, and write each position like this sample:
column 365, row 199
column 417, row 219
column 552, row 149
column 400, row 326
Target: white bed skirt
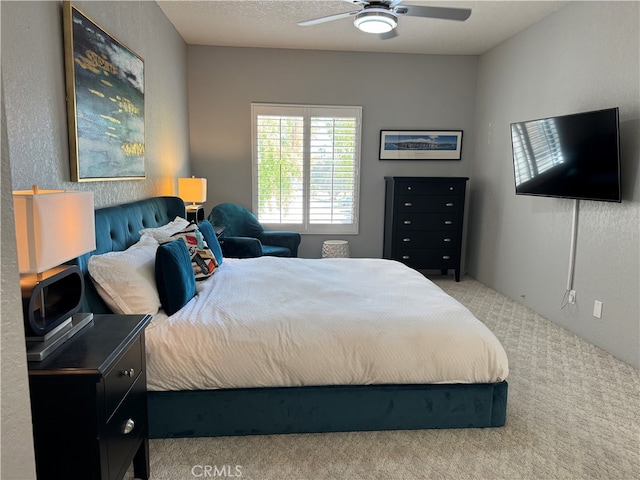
column 266, row 322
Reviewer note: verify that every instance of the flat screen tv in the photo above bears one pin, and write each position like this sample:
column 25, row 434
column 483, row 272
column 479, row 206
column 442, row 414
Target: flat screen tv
column 570, row 156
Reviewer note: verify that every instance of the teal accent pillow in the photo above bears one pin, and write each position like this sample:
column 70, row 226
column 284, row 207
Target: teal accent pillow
column 175, row 280
column 212, row 240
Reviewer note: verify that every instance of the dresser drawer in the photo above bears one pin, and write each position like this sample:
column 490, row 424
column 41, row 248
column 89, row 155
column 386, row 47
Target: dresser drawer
column 119, row 379
column 431, row 188
column 429, row 221
column 430, row 204
column 126, row 428
column 427, row 239
column 428, row 258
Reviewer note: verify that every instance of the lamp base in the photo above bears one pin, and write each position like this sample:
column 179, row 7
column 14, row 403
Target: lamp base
column 64, row 326
column 195, row 213
column 39, row 348
column 50, row 298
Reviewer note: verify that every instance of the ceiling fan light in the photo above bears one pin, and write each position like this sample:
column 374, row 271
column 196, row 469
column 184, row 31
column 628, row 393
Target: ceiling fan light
column 375, row 21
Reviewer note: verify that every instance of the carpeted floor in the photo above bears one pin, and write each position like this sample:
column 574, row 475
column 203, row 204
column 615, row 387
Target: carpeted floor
column 573, row 413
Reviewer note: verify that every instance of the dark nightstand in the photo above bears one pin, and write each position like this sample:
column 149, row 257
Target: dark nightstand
column 89, row 403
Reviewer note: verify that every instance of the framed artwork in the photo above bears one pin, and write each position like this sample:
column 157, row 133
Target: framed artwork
column 420, row 144
column 105, row 102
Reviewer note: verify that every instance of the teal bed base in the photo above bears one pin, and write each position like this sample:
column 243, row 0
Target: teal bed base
column 257, row 411
column 253, row 411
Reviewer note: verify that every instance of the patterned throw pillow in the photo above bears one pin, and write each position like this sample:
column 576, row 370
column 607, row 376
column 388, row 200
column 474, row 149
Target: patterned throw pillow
column 203, row 260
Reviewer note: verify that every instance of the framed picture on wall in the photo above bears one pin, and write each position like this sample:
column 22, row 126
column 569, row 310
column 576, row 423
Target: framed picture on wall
column 420, row 144
column 105, row 102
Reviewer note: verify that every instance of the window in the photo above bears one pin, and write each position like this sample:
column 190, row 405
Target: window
column 306, row 164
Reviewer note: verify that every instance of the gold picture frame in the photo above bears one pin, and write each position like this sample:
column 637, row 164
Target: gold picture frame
column 105, row 102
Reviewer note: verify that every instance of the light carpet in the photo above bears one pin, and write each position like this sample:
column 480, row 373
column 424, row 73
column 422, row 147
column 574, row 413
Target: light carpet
column 573, row 413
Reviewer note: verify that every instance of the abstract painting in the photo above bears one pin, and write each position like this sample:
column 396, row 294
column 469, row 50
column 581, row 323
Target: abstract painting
column 105, row 103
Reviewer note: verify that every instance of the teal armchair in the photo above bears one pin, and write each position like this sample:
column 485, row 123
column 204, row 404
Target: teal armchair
column 245, row 237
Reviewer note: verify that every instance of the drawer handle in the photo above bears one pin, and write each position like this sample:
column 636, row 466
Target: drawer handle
column 447, row 239
column 451, row 189
column 405, row 257
column 446, row 257
column 406, row 239
column 408, row 188
column 449, row 204
column 448, row 222
column 128, row 426
column 128, row 373
column 407, row 222
column 408, row 204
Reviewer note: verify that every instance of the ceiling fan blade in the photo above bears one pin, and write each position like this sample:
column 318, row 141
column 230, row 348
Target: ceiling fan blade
column 329, row 18
column 444, row 13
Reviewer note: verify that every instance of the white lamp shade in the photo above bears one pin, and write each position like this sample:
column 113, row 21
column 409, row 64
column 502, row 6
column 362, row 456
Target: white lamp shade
column 192, row 189
column 52, row 227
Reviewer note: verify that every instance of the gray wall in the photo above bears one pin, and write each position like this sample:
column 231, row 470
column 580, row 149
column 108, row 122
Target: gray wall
column 35, row 135
column 33, row 70
column 584, row 57
column 16, row 441
column 395, row 91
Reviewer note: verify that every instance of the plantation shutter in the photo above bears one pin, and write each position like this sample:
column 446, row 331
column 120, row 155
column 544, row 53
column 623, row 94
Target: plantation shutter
column 306, row 163
column 280, row 168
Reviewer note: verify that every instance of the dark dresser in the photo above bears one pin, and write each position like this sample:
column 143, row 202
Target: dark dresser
column 89, row 403
column 423, row 222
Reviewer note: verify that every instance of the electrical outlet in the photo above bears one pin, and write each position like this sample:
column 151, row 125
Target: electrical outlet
column 572, row 297
column 597, row 309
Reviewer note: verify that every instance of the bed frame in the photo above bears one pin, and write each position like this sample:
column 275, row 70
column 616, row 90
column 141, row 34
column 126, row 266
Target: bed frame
column 248, row 411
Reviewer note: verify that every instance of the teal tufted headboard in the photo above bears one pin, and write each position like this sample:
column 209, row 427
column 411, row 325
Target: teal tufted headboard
column 117, row 229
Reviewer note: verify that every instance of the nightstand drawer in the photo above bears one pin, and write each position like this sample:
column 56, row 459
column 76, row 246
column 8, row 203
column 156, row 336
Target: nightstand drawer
column 120, row 378
column 126, row 427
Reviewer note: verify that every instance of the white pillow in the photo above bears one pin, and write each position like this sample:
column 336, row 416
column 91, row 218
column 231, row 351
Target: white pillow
column 126, row 280
column 165, row 231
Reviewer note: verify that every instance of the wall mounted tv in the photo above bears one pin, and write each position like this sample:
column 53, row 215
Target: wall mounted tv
column 570, row 156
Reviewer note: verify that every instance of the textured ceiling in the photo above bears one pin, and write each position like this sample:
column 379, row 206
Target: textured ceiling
column 272, row 24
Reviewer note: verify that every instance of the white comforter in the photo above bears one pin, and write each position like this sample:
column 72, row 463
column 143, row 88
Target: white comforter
column 289, row 322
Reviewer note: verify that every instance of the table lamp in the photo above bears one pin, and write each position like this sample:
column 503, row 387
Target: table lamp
column 193, row 190
column 52, row 227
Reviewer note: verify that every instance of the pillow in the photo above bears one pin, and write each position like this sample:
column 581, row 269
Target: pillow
column 203, row 260
column 212, row 239
column 162, row 233
column 174, row 276
column 125, row 280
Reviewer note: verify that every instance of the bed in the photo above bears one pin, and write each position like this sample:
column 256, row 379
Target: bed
column 335, row 346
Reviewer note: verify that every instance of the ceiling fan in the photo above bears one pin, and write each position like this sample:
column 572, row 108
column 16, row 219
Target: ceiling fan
column 382, row 16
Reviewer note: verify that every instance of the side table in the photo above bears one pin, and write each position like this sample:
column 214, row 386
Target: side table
column 89, row 403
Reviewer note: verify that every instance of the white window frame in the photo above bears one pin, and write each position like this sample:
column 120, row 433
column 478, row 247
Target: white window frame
column 307, row 111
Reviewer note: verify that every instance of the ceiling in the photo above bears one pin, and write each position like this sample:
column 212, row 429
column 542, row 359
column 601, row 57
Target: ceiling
column 272, row 24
